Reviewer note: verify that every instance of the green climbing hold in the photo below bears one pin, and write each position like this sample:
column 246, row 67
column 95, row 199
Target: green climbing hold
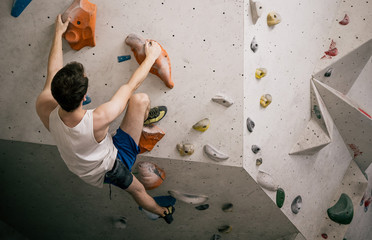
column 317, row 112
column 342, row 212
column 280, row 196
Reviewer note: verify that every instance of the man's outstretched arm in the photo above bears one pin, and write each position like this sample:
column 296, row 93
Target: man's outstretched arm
column 109, row 111
column 45, row 102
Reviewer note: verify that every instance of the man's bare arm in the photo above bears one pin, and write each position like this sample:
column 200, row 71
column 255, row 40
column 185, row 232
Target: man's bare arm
column 45, row 102
column 109, row 111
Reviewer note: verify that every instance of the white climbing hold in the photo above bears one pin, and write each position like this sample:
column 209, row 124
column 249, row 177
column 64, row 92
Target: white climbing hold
column 256, row 10
column 266, row 181
column 121, row 223
column 223, row 100
column 188, row 198
column 214, row 153
column 150, row 215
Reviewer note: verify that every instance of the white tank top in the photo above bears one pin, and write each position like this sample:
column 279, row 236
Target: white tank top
column 82, row 154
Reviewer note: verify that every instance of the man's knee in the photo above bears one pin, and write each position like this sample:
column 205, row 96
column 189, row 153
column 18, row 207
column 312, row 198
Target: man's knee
column 140, row 99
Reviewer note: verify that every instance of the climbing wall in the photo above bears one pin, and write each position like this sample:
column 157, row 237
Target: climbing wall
column 209, row 45
column 74, row 210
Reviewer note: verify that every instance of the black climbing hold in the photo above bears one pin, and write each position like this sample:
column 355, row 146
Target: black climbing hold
column 225, row 229
column 255, row 149
column 328, row 73
column 202, row 207
column 228, row 207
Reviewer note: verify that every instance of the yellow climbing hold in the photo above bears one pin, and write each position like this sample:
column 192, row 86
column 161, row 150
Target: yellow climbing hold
column 265, row 100
column 260, row 73
column 202, row 125
column 185, row 149
column 273, row 18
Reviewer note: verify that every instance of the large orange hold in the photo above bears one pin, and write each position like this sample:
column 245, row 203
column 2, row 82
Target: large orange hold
column 150, row 175
column 162, row 65
column 150, row 136
column 80, row 31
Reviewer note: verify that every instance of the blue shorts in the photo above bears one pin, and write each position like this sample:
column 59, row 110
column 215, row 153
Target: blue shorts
column 127, row 148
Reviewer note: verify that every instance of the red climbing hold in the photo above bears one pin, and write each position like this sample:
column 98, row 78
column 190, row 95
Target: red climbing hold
column 324, row 235
column 345, row 21
column 332, row 51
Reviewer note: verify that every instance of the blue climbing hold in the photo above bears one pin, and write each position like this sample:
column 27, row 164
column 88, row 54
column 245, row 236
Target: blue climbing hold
column 89, row 100
column 163, row 201
column 19, row 6
column 123, row 58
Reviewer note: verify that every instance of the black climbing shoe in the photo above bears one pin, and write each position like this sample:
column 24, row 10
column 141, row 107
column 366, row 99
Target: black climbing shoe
column 168, row 216
column 155, row 114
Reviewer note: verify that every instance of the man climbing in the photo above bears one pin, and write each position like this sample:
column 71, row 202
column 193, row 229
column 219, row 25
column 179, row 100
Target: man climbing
column 82, row 136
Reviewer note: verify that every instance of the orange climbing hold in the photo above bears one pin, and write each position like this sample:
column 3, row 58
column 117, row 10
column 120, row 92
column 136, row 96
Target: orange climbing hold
column 151, row 134
column 150, row 175
column 162, row 65
column 80, row 31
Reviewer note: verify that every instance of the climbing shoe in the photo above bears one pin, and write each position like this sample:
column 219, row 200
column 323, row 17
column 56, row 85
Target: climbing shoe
column 155, row 114
column 168, row 216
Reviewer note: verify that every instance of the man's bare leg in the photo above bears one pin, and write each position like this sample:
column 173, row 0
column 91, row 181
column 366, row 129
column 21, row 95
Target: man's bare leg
column 144, row 200
column 138, row 109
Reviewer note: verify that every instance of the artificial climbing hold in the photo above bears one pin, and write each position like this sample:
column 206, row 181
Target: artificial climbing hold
column 363, row 198
column 324, row 235
column 225, row 229
column 342, row 212
column 317, row 112
column 123, row 58
column 202, row 125
column 273, row 18
column 260, row 73
column 151, row 134
column 185, row 149
column 328, row 73
column 254, row 45
column 202, row 207
column 188, row 198
column 332, row 51
column 256, row 10
column 250, row 125
column 367, row 203
column 80, row 30
column 162, row 65
column 223, row 100
column 87, row 100
column 121, row 223
column 163, row 201
column 258, row 161
column 19, row 6
column 214, row 153
column 265, row 100
column 255, row 149
column 345, row 21
column 280, row 197
column 296, row 204
column 215, row 237
column 150, row 175
column 227, row 207
column 266, row 181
